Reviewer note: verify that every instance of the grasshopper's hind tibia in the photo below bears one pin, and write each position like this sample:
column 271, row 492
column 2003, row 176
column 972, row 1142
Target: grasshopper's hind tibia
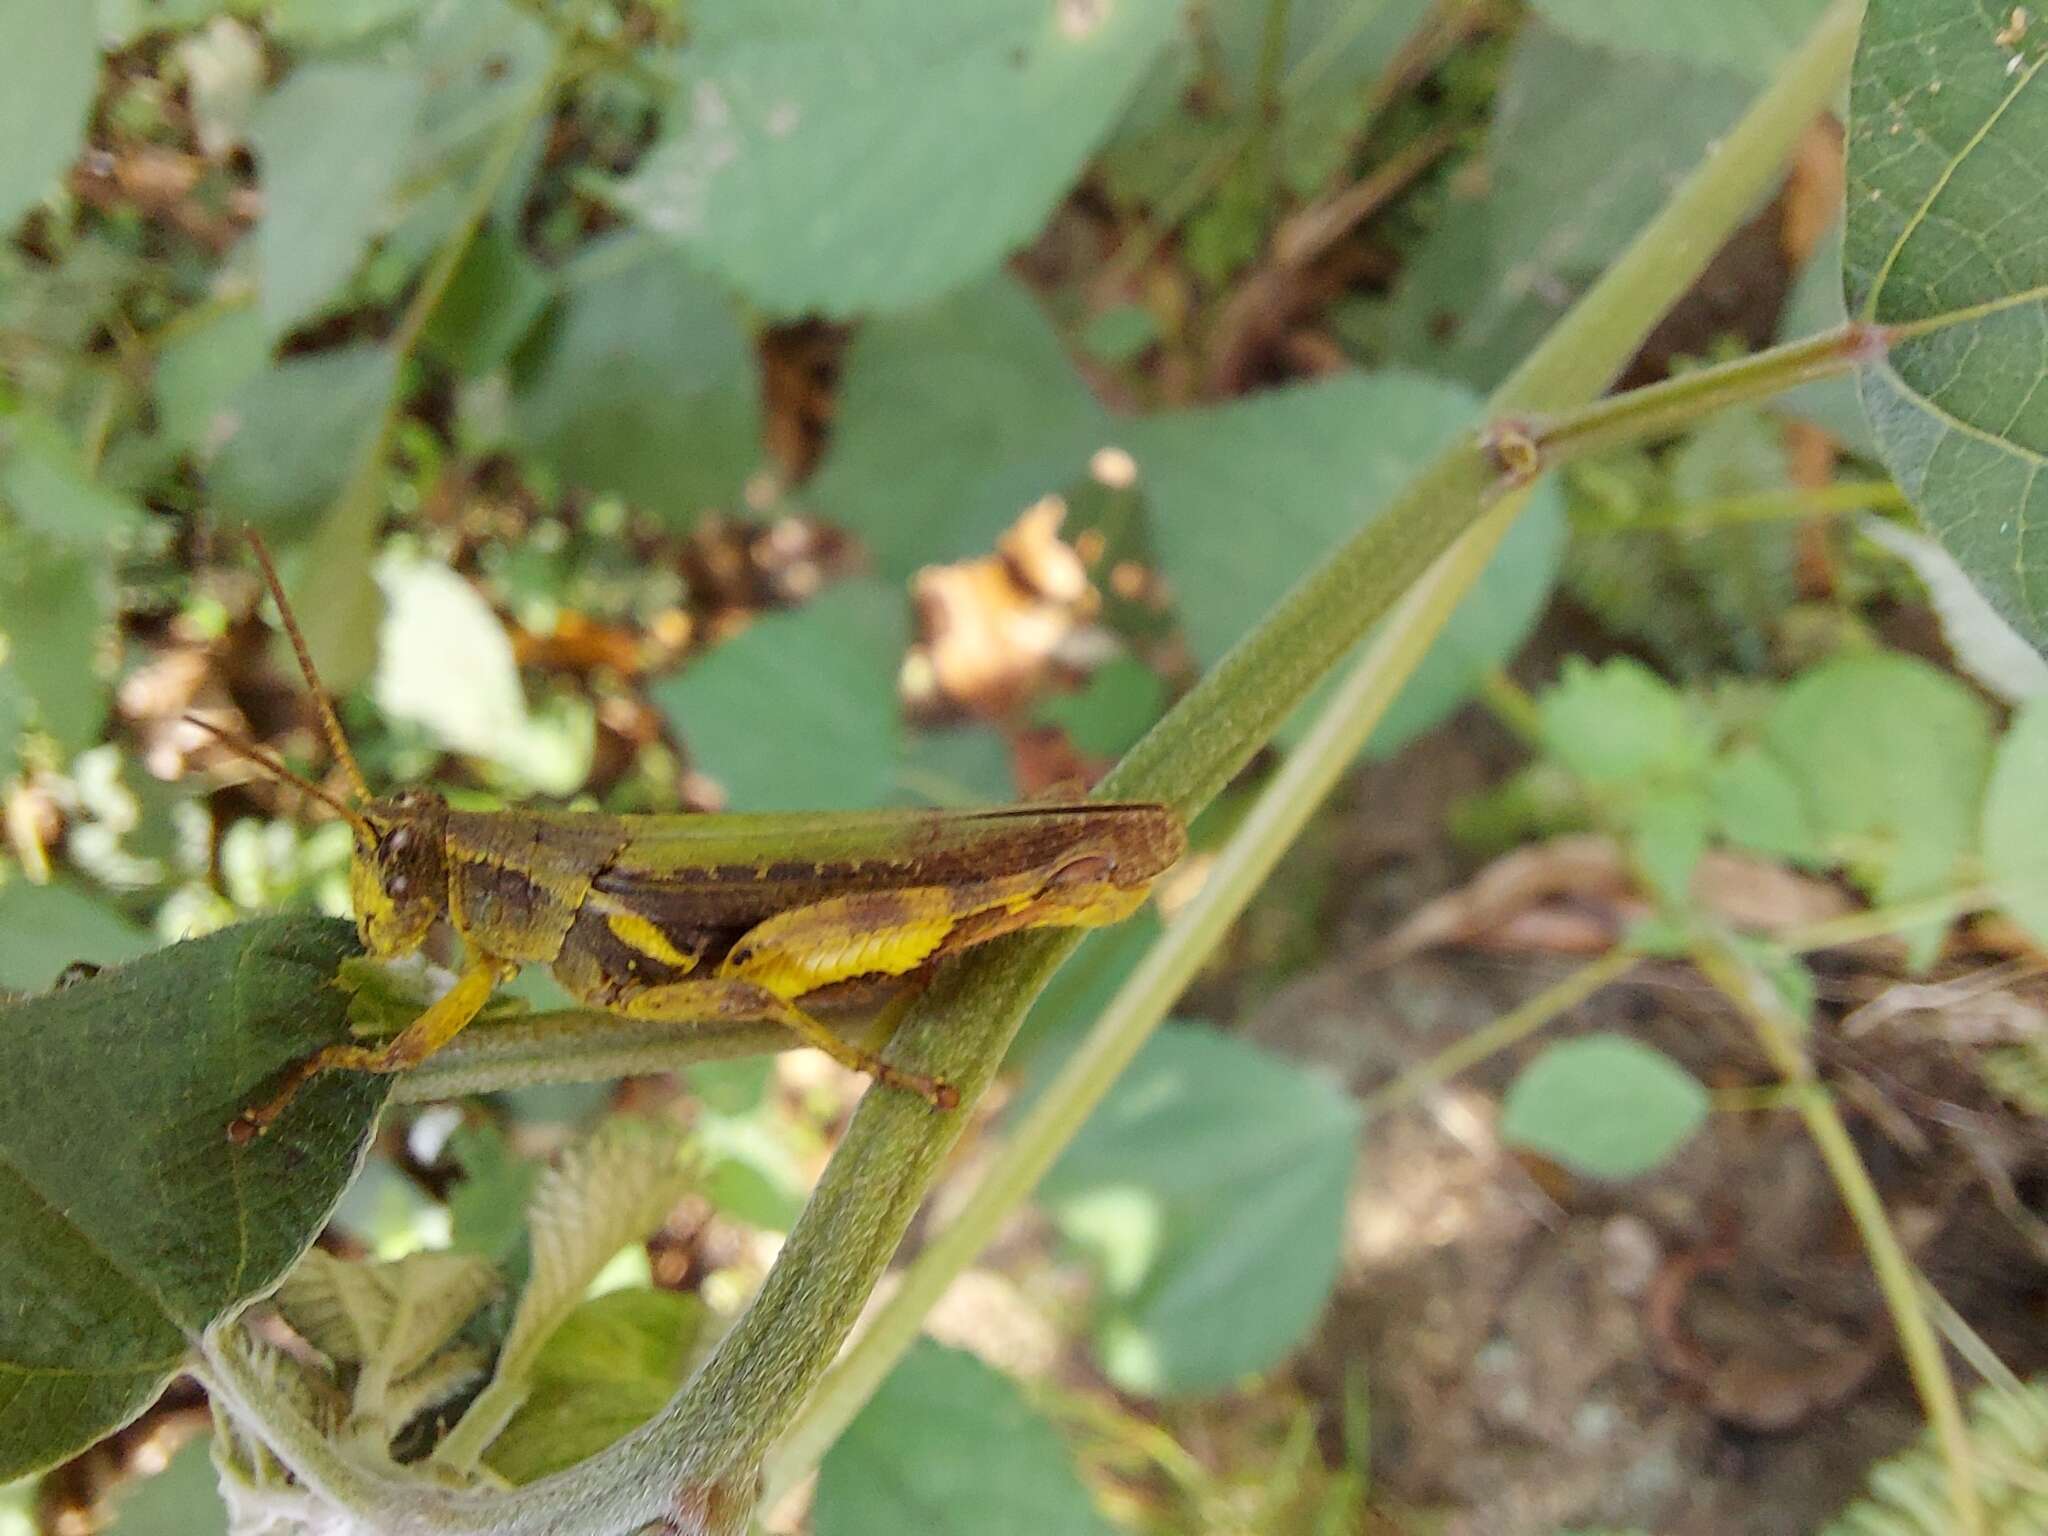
column 446, row 1018
column 714, row 999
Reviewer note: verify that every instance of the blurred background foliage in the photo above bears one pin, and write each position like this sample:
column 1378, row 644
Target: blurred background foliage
column 676, row 404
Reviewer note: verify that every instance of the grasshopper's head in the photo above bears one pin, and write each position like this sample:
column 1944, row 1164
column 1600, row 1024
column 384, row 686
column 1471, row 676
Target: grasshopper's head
column 399, row 874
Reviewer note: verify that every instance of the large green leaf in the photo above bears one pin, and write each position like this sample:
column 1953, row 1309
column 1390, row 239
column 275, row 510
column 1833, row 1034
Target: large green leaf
column 1890, row 756
column 1947, row 241
column 952, row 420
column 47, row 485
column 55, row 605
column 1568, row 192
column 1749, row 35
column 128, row 1221
column 948, row 1447
column 2016, row 820
column 330, row 143
column 291, row 433
column 609, row 1368
column 45, row 928
column 800, row 711
column 1210, row 1188
column 842, row 157
column 48, row 72
column 1246, row 496
column 646, row 385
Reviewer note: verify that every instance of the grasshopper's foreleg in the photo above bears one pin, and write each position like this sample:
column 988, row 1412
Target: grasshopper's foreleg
column 446, row 1018
column 716, row 999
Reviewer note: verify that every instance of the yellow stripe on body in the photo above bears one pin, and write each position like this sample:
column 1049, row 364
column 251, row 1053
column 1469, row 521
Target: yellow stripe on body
column 637, row 932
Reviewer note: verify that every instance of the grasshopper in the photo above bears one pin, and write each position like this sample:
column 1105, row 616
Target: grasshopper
column 711, row 917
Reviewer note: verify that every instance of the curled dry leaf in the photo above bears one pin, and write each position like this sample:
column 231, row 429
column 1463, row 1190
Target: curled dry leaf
column 990, row 629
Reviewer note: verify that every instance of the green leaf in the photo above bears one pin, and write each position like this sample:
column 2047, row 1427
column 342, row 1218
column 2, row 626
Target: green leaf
column 44, row 928
column 1948, row 237
column 1605, row 1106
column 387, row 1319
column 645, row 384
column 200, row 370
column 492, row 303
column 1617, row 723
column 800, row 710
column 46, row 483
column 184, row 1497
column 949, row 1447
column 1080, row 990
column 1668, row 831
column 445, row 664
column 951, row 421
column 293, row 432
column 1890, row 756
column 487, row 1208
column 330, row 144
column 128, row 1222
column 1757, row 805
column 810, row 139
column 2015, row 838
column 1568, row 192
column 1210, row 1188
column 611, row 1190
column 55, row 606
column 1246, row 496
column 611, row 1365
column 1117, row 706
column 48, row 74
column 1747, row 35
column 326, row 23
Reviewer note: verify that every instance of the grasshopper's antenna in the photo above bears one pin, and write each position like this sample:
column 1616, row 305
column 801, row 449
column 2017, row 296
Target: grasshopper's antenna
column 330, row 722
column 248, row 749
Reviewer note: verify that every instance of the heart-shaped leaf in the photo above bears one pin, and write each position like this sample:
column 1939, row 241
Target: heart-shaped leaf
column 128, row 1222
column 1947, row 246
column 848, row 157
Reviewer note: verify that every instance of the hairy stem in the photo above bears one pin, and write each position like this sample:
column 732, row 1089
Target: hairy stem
column 575, row 1045
column 1657, row 410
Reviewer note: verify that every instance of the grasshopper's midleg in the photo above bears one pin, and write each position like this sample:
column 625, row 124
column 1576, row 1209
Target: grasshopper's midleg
column 702, row 919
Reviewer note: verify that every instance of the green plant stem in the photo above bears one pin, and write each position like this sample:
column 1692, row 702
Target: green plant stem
column 1510, row 1029
column 1191, row 753
column 575, row 1045
column 1780, row 1034
column 1657, row 410
column 1263, row 148
column 1883, row 922
column 1766, row 507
